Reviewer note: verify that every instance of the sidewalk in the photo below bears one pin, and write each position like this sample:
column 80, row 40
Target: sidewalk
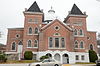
column 66, row 65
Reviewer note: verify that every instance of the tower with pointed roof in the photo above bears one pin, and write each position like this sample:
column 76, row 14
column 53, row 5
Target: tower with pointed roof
column 77, row 20
column 32, row 23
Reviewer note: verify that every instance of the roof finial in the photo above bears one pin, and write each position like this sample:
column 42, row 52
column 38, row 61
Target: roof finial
column 51, row 10
column 51, row 7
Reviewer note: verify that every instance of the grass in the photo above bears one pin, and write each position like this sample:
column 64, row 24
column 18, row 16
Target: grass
column 21, row 61
column 84, row 63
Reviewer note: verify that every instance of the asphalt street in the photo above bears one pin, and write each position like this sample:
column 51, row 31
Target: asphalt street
column 62, row 65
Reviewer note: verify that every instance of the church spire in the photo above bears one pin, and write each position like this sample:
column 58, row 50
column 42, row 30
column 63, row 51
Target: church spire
column 34, row 8
column 76, row 11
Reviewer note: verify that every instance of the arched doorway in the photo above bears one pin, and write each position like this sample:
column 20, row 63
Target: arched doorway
column 57, row 57
column 65, row 58
column 49, row 55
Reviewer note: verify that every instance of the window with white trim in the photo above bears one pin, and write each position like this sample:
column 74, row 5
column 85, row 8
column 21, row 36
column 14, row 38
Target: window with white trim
column 50, row 42
column 29, row 43
column 76, row 44
column 77, row 57
column 36, row 30
column 57, row 42
column 82, row 57
column 36, row 43
column 75, row 32
column 62, row 42
column 81, row 44
column 80, row 32
column 13, row 46
column 30, row 30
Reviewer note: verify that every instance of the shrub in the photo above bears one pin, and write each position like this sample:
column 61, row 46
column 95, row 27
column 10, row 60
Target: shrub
column 3, row 57
column 28, row 55
column 43, row 57
column 92, row 56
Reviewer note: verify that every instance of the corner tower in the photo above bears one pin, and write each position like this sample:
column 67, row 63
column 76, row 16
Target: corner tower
column 32, row 25
column 77, row 20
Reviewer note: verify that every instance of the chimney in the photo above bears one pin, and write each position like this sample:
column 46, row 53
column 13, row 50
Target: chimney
column 84, row 13
column 25, row 9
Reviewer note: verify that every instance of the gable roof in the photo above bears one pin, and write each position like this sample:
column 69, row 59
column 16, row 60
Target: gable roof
column 34, row 8
column 76, row 11
column 44, row 27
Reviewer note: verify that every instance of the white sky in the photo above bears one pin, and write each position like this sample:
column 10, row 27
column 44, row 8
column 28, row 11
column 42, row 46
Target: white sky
column 11, row 12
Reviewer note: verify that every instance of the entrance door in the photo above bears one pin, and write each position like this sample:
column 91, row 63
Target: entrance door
column 65, row 59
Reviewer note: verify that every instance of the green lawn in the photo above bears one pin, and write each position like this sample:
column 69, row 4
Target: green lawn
column 21, row 61
column 84, row 63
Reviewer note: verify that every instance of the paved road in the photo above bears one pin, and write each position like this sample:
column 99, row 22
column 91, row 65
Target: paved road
column 63, row 65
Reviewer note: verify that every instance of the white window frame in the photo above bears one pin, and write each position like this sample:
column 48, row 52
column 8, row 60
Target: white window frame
column 75, row 44
column 34, row 43
column 31, row 43
column 28, row 31
column 59, row 43
column 82, row 33
column 76, row 32
column 35, row 29
column 15, row 46
column 82, row 57
column 80, row 45
column 77, row 58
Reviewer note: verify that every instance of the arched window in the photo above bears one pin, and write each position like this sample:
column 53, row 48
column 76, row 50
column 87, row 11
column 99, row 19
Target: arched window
column 30, row 30
column 81, row 32
column 29, row 43
column 35, row 43
column 36, row 31
column 75, row 32
column 91, row 47
column 13, row 46
column 62, row 42
column 81, row 44
column 76, row 44
column 20, row 43
column 50, row 42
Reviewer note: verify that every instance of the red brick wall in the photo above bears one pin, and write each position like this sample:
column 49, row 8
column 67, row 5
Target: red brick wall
column 49, row 32
column 11, row 37
column 92, row 40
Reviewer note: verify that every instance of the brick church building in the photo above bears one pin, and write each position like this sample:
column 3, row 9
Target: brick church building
column 67, row 41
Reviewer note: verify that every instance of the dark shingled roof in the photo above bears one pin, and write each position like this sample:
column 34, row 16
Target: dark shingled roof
column 76, row 11
column 34, row 8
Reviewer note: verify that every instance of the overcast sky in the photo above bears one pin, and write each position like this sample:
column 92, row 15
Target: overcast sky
column 11, row 12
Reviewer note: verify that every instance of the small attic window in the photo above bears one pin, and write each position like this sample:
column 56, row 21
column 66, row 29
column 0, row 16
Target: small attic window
column 56, row 27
